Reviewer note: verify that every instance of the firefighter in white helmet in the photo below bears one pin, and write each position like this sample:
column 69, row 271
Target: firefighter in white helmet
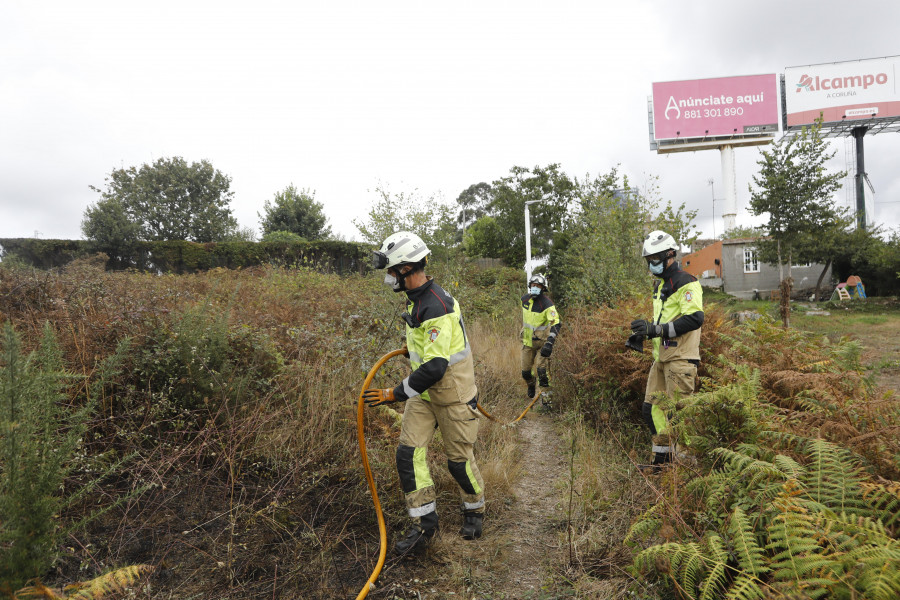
column 540, row 328
column 440, row 393
column 675, row 331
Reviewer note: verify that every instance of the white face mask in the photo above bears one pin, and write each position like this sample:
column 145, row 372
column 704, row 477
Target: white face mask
column 657, row 267
column 393, row 282
column 534, row 290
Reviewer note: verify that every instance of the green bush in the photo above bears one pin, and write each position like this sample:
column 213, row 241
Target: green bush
column 38, row 437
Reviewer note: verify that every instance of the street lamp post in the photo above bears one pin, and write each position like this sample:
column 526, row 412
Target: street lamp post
column 710, row 182
column 528, row 238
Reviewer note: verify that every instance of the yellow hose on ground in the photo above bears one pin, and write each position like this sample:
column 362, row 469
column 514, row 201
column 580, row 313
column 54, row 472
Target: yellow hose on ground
column 382, row 530
column 496, row 420
column 360, row 433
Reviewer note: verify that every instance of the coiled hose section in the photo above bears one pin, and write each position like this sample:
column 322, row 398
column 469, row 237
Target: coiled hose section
column 360, row 433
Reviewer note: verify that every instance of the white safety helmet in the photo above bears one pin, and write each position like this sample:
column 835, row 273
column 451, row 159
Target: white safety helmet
column 538, row 279
column 658, row 241
column 400, row 248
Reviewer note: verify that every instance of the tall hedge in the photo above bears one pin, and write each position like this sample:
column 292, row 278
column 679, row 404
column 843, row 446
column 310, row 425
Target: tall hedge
column 189, row 257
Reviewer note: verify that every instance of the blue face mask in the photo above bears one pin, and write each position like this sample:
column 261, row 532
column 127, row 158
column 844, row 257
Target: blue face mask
column 657, row 267
column 534, row 290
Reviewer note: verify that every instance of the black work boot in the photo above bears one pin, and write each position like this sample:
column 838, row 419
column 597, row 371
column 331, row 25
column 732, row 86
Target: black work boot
column 660, row 460
column 418, row 535
column 472, row 523
column 531, row 389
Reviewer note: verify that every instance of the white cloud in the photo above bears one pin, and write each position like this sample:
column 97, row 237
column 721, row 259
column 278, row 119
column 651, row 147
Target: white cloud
column 339, row 96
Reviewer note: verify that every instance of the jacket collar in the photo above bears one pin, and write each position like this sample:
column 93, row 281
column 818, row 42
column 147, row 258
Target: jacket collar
column 416, row 293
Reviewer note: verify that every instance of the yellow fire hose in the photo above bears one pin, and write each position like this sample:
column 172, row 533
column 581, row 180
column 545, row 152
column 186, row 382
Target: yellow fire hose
column 360, row 433
column 382, row 530
column 524, row 412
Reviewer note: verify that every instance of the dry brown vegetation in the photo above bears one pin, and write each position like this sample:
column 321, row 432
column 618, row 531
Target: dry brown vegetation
column 754, row 377
column 236, row 393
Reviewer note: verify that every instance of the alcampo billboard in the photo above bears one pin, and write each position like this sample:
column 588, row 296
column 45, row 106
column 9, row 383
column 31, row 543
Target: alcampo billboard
column 845, row 91
column 723, row 106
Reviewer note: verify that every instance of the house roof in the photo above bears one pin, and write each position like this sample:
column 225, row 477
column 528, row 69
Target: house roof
column 745, row 240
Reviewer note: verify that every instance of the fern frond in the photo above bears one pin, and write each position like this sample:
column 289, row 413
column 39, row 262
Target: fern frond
column 646, row 525
column 747, row 465
column 113, row 582
column 884, row 500
column 834, row 477
column 682, row 562
column 38, row 591
column 745, row 588
column 789, row 466
column 750, row 555
column 795, row 542
column 714, row 584
column 864, row 530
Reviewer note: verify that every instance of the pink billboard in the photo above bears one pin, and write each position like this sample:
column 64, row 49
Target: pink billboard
column 723, row 106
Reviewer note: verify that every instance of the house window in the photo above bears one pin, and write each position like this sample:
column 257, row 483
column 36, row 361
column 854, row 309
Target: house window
column 751, row 261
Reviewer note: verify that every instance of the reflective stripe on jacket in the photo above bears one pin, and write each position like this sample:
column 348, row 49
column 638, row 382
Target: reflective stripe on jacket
column 539, row 317
column 439, row 352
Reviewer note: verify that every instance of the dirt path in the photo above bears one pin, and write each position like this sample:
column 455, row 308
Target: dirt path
column 521, row 541
column 532, row 532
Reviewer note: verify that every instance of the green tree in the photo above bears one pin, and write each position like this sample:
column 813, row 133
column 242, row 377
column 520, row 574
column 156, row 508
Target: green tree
column 482, row 238
column 428, row 218
column 555, row 192
column 107, row 225
column 168, row 200
column 795, row 190
column 597, row 257
column 296, row 211
column 473, row 203
column 742, row 231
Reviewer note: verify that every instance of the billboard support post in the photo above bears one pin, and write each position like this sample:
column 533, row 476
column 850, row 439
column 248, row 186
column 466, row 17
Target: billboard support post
column 729, row 214
column 858, row 134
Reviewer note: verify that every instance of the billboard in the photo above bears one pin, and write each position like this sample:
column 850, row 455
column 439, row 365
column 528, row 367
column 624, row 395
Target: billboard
column 724, row 106
column 846, row 91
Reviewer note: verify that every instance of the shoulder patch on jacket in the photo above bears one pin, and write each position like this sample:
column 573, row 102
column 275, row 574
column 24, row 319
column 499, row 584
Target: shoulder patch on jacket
column 688, row 296
column 433, row 334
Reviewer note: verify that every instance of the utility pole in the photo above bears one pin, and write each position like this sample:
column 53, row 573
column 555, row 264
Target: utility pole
column 713, row 187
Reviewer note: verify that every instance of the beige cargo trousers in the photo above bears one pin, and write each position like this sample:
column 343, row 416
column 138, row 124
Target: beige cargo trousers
column 458, row 423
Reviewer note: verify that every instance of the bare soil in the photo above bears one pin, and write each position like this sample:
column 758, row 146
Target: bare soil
column 521, row 542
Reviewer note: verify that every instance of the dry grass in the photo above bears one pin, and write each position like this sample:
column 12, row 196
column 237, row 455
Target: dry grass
column 237, row 392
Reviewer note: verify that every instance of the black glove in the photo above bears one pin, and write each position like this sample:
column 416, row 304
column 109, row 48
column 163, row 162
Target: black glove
column 648, row 329
column 635, row 342
column 546, row 349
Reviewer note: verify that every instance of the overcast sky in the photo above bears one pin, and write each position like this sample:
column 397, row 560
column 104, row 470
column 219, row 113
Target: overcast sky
column 339, row 96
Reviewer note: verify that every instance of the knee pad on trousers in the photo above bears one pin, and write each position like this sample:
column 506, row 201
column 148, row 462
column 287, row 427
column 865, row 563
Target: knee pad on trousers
column 647, row 414
column 542, row 377
column 526, row 375
column 458, row 470
column 405, row 468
